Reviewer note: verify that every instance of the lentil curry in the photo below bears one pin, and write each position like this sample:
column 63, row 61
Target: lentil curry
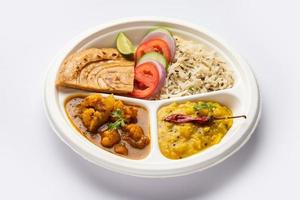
column 180, row 140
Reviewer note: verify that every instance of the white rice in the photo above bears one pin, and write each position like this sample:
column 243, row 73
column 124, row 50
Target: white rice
column 197, row 69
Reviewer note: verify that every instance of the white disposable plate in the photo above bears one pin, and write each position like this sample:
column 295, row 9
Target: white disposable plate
column 243, row 98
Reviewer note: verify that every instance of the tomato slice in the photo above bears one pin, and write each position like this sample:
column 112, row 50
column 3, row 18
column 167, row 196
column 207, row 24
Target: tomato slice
column 154, row 45
column 146, row 80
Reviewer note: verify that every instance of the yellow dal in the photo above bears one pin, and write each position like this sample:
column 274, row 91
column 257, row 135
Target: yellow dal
column 178, row 141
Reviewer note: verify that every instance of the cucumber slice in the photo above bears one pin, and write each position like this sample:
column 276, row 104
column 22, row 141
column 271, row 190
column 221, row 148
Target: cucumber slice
column 124, row 45
column 164, row 34
column 154, row 56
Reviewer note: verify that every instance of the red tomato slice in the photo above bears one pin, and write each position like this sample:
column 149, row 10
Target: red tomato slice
column 146, row 80
column 154, row 45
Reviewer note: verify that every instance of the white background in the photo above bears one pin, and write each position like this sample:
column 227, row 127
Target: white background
column 35, row 164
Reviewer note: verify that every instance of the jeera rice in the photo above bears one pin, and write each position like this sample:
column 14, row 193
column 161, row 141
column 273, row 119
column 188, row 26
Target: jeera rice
column 196, row 69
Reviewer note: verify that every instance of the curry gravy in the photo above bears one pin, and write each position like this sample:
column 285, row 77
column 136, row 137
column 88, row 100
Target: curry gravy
column 142, row 120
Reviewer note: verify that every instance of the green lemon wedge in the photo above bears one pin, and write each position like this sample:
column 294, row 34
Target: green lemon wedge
column 124, row 45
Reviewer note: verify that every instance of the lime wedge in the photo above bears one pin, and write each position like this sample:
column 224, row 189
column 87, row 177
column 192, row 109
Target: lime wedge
column 124, row 45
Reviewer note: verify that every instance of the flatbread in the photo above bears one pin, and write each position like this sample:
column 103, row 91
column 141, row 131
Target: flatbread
column 100, row 70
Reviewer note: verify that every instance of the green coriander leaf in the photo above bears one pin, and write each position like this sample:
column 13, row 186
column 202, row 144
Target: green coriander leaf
column 200, row 106
column 118, row 113
column 117, row 124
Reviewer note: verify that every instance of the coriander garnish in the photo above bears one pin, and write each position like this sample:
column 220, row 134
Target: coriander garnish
column 200, row 106
column 116, row 125
column 120, row 122
column 118, row 113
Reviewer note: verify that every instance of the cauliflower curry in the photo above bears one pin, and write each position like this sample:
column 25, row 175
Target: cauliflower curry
column 110, row 124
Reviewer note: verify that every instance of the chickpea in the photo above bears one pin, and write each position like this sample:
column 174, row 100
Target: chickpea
column 121, row 149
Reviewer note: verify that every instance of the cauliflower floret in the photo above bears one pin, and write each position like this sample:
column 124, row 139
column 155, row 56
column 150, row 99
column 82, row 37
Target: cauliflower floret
column 95, row 111
column 109, row 138
column 134, row 131
column 121, row 149
column 134, row 135
column 129, row 113
column 91, row 119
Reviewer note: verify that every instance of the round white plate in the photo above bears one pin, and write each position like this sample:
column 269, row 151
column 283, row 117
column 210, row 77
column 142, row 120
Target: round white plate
column 242, row 98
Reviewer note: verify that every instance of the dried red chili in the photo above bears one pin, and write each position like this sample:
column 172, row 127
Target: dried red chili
column 180, row 118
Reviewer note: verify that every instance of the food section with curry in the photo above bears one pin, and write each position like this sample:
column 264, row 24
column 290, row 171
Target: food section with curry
column 185, row 129
column 111, row 124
